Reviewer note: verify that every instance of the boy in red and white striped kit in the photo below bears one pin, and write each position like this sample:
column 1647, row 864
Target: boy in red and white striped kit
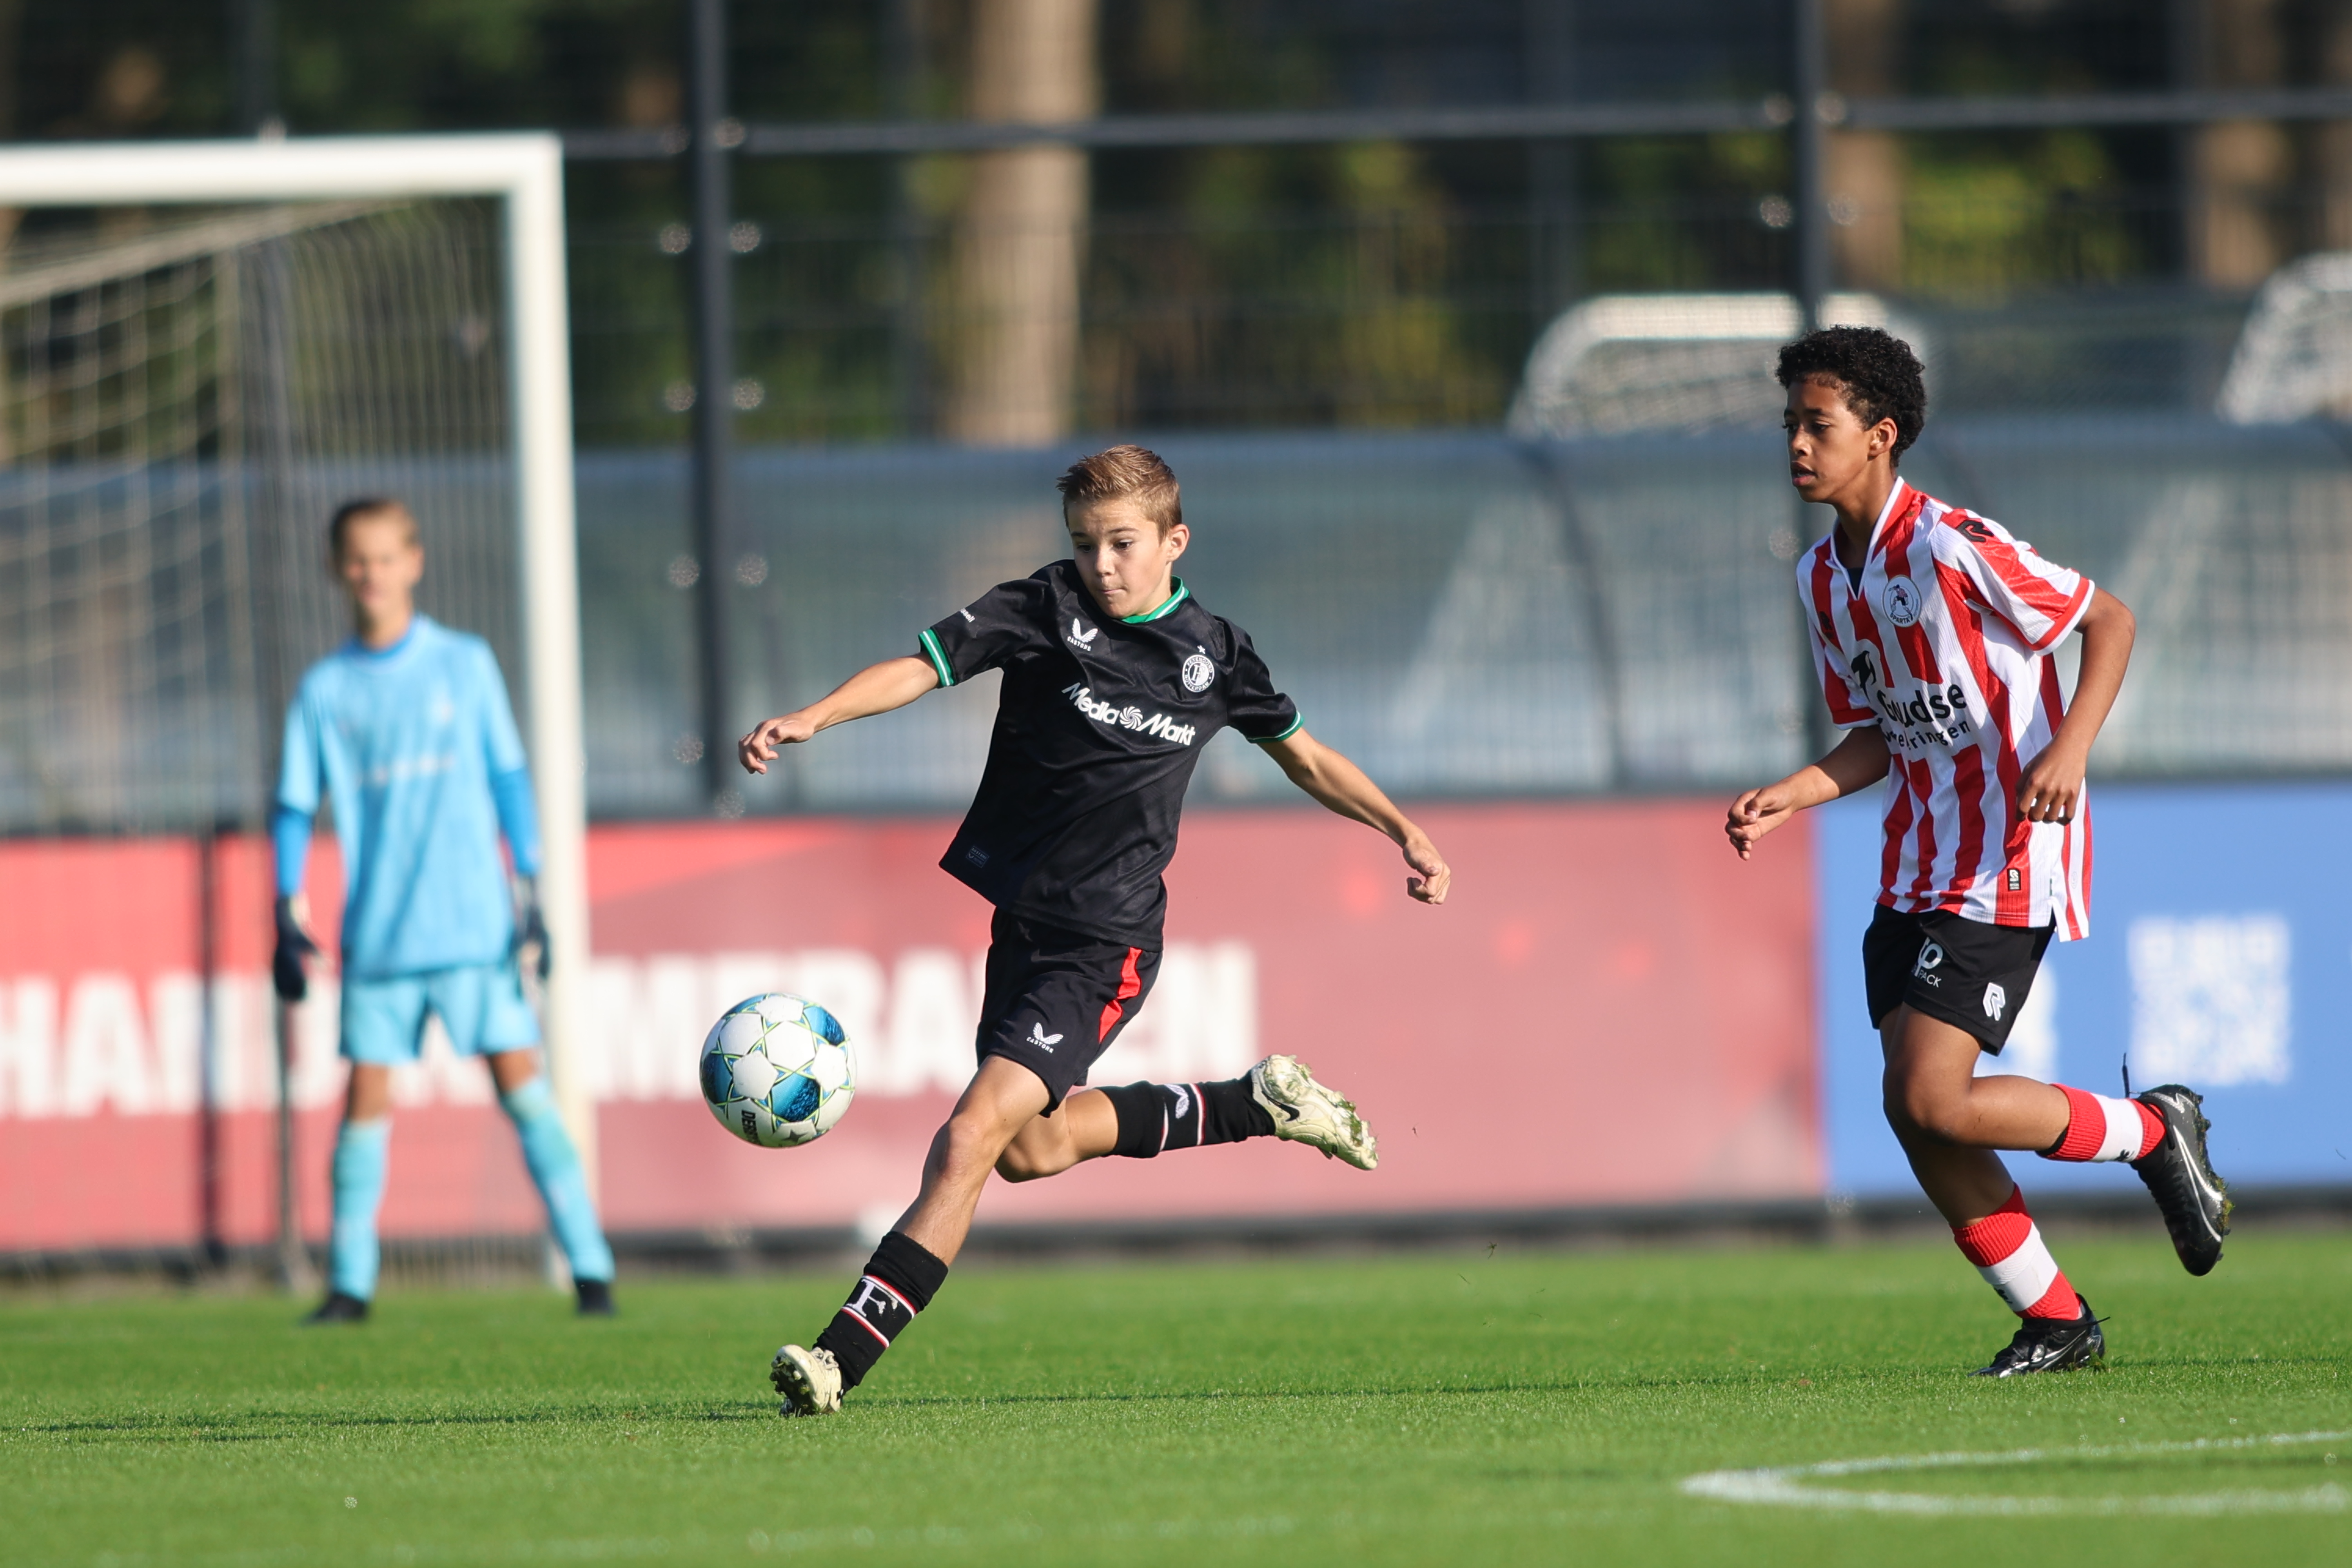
column 1931, row 634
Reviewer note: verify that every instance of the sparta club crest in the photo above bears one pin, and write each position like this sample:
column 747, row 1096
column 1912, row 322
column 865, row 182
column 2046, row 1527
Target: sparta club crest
column 1902, row 602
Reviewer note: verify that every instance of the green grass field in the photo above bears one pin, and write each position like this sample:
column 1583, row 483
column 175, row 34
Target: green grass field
column 1481, row 1407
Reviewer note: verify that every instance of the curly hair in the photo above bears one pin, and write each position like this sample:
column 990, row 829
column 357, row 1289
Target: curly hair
column 1880, row 374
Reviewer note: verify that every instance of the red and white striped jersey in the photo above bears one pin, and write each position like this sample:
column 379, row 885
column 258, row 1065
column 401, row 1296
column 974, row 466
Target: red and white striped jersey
column 1943, row 644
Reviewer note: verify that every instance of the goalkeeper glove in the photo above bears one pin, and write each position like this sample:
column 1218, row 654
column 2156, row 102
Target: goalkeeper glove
column 531, row 926
column 294, row 944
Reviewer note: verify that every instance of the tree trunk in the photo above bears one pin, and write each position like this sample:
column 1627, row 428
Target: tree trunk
column 2331, row 141
column 12, row 33
column 1022, row 229
column 1865, row 168
column 2237, row 170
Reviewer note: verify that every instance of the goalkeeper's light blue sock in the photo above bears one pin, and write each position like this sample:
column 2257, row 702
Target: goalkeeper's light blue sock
column 563, row 1186
column 363, row 1154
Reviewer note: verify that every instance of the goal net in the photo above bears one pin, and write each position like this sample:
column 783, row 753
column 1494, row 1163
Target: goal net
column 183, row 399
column 1619, row 364
column 205, row 348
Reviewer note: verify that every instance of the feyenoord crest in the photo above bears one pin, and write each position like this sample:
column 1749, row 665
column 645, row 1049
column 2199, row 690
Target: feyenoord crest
column 1198, row 673
column 1902, row 602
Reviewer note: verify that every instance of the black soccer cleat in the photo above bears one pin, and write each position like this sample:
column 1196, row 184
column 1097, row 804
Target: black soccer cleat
column 2052, row 1344
column 338, row 1308
column 2194, row 1201
column 596, row 1299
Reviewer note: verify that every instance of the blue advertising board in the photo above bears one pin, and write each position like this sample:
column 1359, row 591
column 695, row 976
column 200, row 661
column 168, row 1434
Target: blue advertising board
column 2219, row 956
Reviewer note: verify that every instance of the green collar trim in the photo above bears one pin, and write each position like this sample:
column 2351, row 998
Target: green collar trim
column 1167, row 606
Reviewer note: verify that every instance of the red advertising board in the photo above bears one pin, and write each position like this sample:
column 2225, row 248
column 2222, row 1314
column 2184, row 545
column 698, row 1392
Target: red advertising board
column 1611, row 1009
column 109, row 1053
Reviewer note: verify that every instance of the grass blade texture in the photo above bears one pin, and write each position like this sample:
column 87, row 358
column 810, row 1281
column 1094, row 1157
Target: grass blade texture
column 1489, row 1407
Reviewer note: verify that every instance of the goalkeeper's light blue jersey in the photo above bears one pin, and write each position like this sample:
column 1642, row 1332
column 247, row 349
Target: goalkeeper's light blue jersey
column 416, row 748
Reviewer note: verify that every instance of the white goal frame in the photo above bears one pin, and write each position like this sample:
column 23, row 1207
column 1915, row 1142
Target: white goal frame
column 524, row 172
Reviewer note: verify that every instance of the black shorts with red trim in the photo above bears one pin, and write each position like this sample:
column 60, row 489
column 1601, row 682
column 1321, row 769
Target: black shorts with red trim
column 1973, row 975
column 1057, row 999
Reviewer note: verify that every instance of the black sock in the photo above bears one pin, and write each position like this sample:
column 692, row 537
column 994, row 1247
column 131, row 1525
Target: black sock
column 1153, row 1117
column 900, row 1281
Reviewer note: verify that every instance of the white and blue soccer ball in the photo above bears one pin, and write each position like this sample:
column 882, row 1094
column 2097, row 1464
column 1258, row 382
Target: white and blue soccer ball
column 777, row 1070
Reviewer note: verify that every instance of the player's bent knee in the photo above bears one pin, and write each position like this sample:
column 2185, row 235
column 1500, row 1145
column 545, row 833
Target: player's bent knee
column 1929, row 1111
column 1898, row 1116
column 970, row 1142
column 1031, row 1157
column 1914, row 1105
column 1014, row 1165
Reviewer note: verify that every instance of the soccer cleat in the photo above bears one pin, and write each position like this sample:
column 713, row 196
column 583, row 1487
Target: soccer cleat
column 596, row 1299
column 2194, row 1201
column 338, row 1308
column 2052, row 1344
column 810, row 1381
column 1304, row 1111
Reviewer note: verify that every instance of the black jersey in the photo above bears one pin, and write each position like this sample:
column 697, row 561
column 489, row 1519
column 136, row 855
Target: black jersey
column 1099, row 726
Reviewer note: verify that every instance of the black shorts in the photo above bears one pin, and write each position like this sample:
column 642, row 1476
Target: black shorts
column 1057, row 999
column 1972, row 975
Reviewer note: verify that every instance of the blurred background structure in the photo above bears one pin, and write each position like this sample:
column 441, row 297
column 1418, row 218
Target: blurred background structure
column 1405, row 235
column 1456, row 321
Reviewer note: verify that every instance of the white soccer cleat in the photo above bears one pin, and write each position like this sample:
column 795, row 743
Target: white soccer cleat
column 1304, row 1111
column 810, row 1381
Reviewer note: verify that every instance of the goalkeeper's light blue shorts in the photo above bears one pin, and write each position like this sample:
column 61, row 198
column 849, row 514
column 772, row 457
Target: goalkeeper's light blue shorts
column 480, row 1005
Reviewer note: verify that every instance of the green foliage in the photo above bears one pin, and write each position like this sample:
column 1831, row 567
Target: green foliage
column 464, row 64
column 1484, row 1407
column 1984, row 217
column 1684, row 214
column 1290, row 286
column 1380, row 285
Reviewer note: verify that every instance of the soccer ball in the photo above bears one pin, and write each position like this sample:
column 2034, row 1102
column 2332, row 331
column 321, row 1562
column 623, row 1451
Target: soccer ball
column 777, row 1070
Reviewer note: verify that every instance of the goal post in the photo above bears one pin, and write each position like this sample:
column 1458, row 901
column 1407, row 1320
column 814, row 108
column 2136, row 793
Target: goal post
column 524, row 174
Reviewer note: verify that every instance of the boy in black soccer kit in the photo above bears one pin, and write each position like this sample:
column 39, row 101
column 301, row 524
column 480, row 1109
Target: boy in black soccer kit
column 1114, row 678
column 1932, row 630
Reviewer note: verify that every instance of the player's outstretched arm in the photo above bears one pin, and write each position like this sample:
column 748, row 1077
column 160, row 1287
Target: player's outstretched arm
column 2052, row 782
column 877, row 689
column 1855, row 763
column 1344, row 788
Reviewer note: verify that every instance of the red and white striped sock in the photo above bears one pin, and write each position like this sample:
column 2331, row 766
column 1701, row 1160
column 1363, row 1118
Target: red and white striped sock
column 2099, row 1127
column 2007, row 1249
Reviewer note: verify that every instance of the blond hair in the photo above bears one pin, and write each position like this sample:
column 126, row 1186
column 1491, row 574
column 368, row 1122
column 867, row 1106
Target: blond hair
column 1125, row 473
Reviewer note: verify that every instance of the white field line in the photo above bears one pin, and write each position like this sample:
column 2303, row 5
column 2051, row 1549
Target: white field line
column 1781, row 1484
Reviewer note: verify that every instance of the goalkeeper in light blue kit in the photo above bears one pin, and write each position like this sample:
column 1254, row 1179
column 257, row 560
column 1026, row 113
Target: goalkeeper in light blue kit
column 405, row 731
